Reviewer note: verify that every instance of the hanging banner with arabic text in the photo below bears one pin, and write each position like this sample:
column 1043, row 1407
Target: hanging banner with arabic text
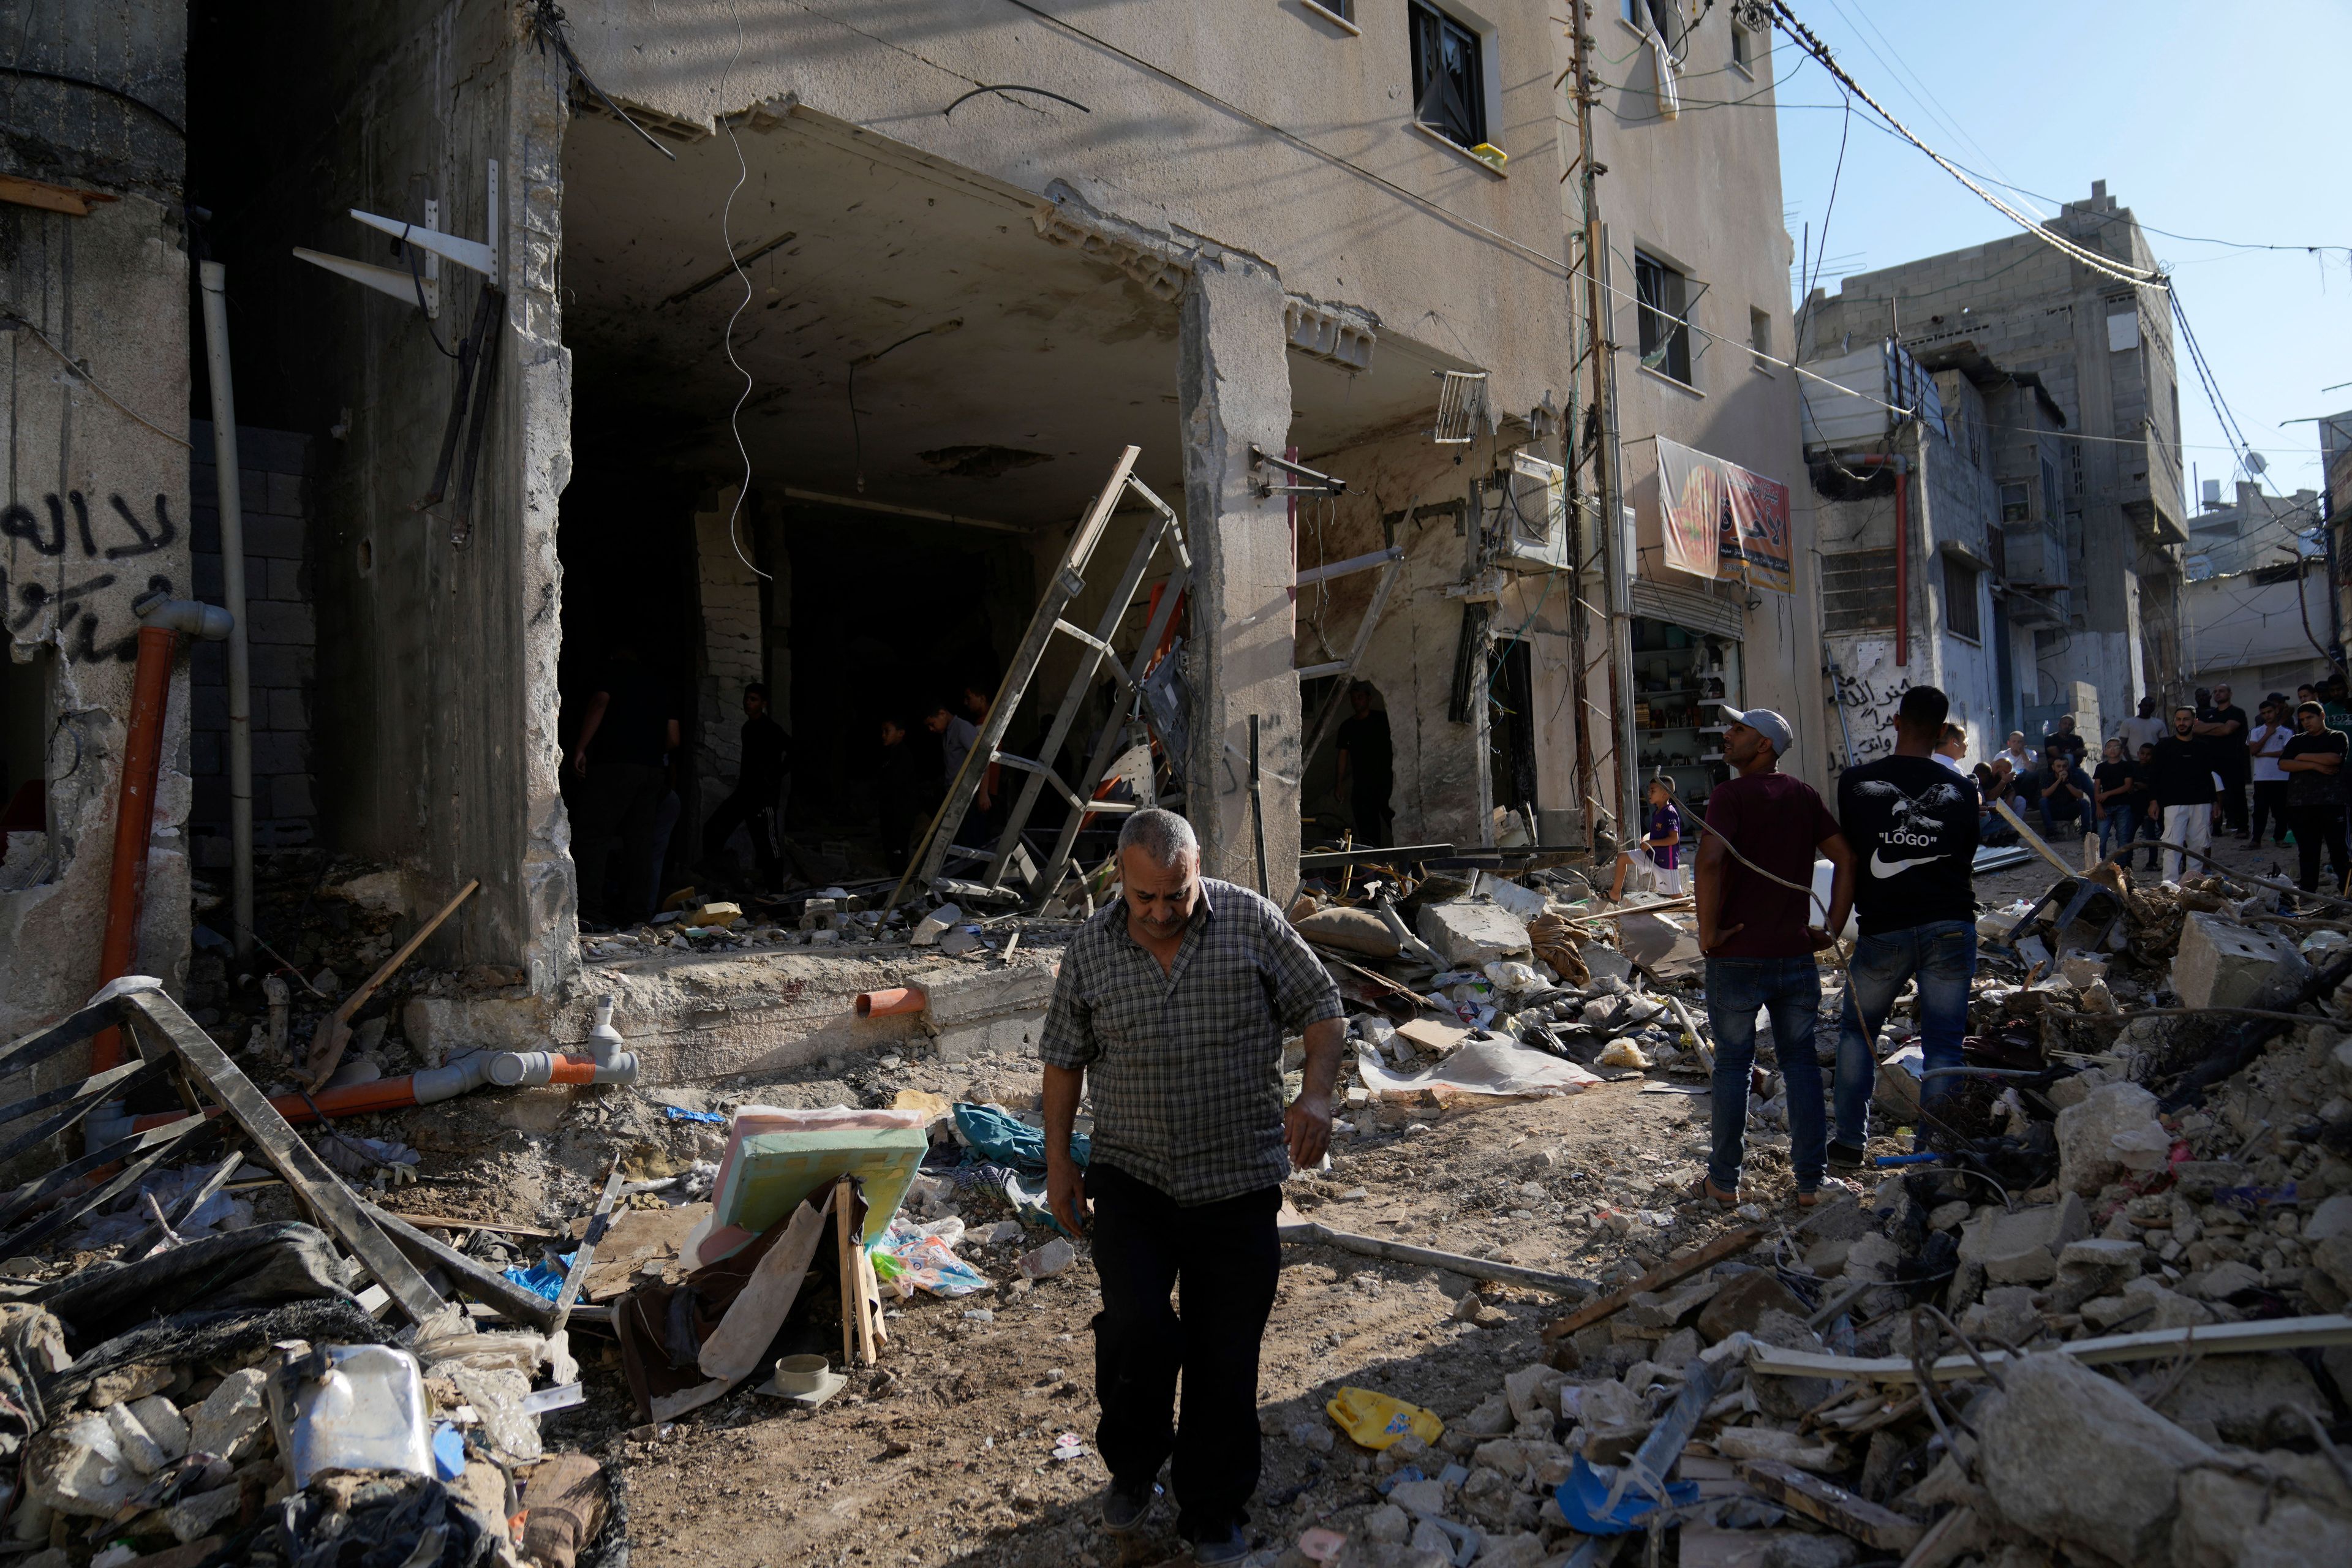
column 1723, row 521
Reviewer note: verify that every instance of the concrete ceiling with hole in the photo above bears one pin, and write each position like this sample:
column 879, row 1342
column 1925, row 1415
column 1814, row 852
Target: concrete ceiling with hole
column 1019, row 367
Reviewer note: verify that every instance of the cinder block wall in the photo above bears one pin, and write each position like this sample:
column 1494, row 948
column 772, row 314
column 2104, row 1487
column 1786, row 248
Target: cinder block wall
column 281, row 633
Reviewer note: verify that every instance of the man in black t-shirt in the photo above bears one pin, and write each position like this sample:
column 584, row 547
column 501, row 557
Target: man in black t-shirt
column 2312, row 762
column 2111, row 787
column 2180, row 779
column 2221, row 730
column 1367, row 766
column 1913, row 826
column 621, row 758
column 759, row 791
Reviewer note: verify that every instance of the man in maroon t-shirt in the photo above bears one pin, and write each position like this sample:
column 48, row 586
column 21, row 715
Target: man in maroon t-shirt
column 1756, row 926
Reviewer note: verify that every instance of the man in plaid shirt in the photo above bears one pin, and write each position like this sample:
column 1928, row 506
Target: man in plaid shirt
column 1176, row 1000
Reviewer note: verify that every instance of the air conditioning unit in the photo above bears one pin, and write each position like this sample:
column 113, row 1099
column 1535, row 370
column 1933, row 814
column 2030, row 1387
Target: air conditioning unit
column 1530, row 517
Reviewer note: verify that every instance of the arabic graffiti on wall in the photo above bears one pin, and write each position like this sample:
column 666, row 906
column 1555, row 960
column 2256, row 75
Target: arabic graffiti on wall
column 70, row 531
column 1866, row 689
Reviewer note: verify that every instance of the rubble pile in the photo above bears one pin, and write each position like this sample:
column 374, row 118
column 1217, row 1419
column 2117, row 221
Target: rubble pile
column 2096, row 1319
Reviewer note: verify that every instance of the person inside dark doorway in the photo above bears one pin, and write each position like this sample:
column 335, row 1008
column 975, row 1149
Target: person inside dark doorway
column 958, row 735
column 757, row 804
column 625, row 742
column 991, row 802
column 2220, row 728
column 2065, row 798
column 1367, row 766
column 898, row 792
column 1660, row 846
column 2312, row 762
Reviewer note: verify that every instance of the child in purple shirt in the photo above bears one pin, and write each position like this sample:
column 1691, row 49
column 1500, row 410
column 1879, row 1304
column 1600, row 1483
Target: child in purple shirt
column 1663, row 842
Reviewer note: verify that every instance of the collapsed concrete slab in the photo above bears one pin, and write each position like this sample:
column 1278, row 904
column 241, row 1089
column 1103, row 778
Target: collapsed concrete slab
column 2222, row 963
column 1470, row 933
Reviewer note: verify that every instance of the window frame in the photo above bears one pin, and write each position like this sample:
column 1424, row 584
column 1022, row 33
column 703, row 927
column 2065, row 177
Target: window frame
column 1650, row 305
column 1973, row 630
column 1760, row 339
column 1421, row 14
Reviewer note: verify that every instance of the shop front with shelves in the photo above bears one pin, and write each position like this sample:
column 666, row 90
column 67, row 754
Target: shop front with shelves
column 1680, row 675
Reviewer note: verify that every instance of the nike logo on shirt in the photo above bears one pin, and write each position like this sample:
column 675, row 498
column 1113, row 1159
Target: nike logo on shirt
column 1880, row 866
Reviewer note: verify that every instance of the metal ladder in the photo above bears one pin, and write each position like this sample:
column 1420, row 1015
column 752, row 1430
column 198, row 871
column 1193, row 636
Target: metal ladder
column 1069, row 582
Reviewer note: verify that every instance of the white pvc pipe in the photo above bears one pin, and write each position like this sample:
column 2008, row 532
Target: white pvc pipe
column 232, row 550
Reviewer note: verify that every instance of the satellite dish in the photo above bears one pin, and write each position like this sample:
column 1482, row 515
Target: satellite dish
column 2256, row 464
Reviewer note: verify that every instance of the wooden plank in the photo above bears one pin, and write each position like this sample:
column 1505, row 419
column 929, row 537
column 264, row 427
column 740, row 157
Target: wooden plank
column 843, row 1200
column 314, row 1181
column 577, row 1275
column 473, row 1277
column 1300, row 1232
column 2147, row 1344
column 1665, row 1274
column 24, row 193
column 334, row 1031
column 1832, row 1505
column 444, row 1222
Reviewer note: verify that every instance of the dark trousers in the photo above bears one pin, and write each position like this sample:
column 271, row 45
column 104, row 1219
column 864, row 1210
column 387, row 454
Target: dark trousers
column 616, row 798
column 751, row 807
column 2232, row 801
column 1226, row 1256
column 2270, row 806
column 2316, row 825
column 1369, row 802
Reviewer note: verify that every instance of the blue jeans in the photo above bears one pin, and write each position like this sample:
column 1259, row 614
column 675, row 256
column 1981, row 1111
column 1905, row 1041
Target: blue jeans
column 2118, row 827
column 1941, row 956
column 1790, row 989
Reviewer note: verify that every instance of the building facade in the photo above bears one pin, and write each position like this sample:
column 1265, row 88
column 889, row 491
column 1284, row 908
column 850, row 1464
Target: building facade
column 2256, row 615
column 2102, row 351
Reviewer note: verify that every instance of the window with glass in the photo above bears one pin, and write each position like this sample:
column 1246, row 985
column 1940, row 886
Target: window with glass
column 1661, row 292
column 1449, row 84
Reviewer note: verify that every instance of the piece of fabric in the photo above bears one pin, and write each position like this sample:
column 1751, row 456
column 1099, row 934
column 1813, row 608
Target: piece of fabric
column 377, row 1519
column 1006, row 1139
column 2191, row 826
column 1789, row 990
column 1665, row 823
column 564, row 1507
column 1776, row 821
column 1184, row 1065
column 635, row 729
column 259, row 1266
column 2265, row 742
column 1496, row 1066
column 2180, row 775
column 662, row 1328
column 1913, row 828
column 2307, row 786
column 1223, row 1256
column 2318, row 827
column 1941, row 957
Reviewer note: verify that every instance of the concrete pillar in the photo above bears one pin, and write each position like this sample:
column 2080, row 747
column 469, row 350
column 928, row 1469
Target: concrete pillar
column 1234, row 388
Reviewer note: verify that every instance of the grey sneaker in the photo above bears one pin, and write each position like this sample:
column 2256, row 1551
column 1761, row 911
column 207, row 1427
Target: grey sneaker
column 1125, row 1507
column 1214, row 1549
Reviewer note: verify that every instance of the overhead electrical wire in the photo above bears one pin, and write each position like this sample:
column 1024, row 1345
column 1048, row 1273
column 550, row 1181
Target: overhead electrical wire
column 1804, row 38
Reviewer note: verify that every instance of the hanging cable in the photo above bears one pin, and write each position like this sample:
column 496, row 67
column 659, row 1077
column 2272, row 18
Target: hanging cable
column 727, row 239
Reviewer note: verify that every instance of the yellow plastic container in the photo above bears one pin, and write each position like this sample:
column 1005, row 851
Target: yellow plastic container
column 1376, row 1420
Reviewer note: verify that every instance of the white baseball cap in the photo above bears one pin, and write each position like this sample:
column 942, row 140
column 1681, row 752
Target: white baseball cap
column 1765, row 722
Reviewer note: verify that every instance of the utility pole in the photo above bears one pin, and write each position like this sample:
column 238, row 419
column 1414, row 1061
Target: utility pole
column 1591, row 456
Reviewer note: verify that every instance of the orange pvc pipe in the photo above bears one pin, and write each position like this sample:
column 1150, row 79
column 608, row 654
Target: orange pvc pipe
column 134, row 822
column 897, row 999
column 573, row 1069
column 355, row 1100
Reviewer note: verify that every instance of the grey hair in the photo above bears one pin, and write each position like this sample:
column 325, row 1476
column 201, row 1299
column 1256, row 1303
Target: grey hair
column 1163, row 835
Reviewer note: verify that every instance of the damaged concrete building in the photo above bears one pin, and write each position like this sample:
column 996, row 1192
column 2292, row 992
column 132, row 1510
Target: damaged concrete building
column 2102, row 348
column 790, row 347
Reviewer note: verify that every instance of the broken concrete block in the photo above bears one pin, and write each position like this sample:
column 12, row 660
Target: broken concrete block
column 2278, row 1513
column 79, row 1468
column 1534, row 1390
column 2333, row 1257
column 2112, row 1133
column 196, row 1514
column 2023, row 1248
column 2332, row 1218
column 2100, row 1252
column 1387, row 1522
column 1490, row 1418
column 2069, row 1456
column 150, row 1432
column 1872, row 1258
column 1742, row 1301
column 1470, row 934
column 1795, row 1550
column 2222, row 1281
column 2149, row 1303
column 2223, row 964
column 1360, row 1552
column 1419, row 1496
column 224, row 1423
column 2258, row 1401
column 2007, row 1313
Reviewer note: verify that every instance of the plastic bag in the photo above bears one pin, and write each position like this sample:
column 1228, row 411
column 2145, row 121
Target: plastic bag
column 1376, row 1420
column 910, row 1260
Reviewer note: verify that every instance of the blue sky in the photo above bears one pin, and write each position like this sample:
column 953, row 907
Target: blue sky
column 2199, row 126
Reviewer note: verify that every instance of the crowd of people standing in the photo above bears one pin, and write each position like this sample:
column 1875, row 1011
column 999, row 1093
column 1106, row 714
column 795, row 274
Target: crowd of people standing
column 2185, row 777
